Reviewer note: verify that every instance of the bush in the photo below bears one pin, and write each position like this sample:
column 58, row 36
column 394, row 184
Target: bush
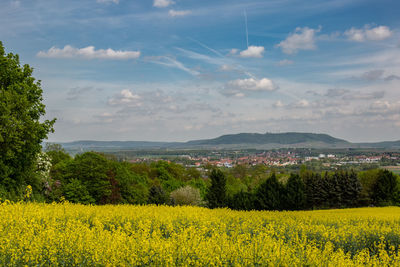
column 75, row 191
column 186, row 195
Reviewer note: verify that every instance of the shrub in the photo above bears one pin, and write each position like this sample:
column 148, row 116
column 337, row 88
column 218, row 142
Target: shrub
column 186, row 195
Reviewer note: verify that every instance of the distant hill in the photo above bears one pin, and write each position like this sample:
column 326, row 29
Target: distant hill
column 230, row 141
column 289, row 138
column 112, row 145
column 385, row 144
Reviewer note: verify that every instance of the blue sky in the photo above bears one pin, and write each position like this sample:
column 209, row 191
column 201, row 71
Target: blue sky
column 163, row 70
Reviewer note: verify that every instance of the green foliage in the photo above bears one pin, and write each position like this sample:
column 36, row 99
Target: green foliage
column 200, row 184
column 234, row 185
column 216, row 195
column 351, row 189
column 92, row 169
column 157, row 195
column 75, row 191
column 270, row 194
column 385, row 188
column 21, row 131
column 367, row 180
column 295, row 197
column 242, row 201
column 171, row 184
column 187, row 196
column 56, row 153
column 315, row 188
column 132, row 186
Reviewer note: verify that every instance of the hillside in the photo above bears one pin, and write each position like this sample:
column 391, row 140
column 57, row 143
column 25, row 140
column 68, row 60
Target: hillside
column 270, row 138
column 241, row 140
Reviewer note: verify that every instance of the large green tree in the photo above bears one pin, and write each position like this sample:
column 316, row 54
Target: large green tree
column 21, row 128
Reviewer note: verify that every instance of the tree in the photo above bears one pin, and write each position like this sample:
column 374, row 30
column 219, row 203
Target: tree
column 269, row 195
column 77, row 192
column 56, row 152
column 385, row 188
column 21, row 131
column 295, row 196
column 92, row 170
column 242, row 201
column 157, row 195
column 351, row 189
column 216, row 195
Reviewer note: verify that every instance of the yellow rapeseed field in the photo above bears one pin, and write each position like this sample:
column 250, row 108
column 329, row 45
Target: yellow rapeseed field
column 76, row 235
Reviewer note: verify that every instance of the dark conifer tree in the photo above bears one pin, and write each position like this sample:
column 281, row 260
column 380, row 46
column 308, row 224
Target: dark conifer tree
column 351, row 189
column 295, row 193
column 270, row 194
column 216, row 195
column 242, row 201
column 157, row 195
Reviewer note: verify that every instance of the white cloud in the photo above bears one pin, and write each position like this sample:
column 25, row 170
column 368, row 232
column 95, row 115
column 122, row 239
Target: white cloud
column 253, row 51
column 233, row 51
column 179, row 13
column 108, row 1
column 125, row 97
column 88, row 53
column 384, row 107
column 300, row 39
column 285, row 62
column 252, row 84
column 163, row 3
column 241, row 87
column 368, row 34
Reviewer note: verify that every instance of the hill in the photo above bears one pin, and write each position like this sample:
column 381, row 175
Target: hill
column 230, row 141
column 290, row 138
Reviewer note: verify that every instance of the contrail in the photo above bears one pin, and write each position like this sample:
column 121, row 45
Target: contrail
column 206, row 47
column 247, row 31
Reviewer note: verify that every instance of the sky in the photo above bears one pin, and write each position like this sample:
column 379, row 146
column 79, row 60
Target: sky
column 179, row 70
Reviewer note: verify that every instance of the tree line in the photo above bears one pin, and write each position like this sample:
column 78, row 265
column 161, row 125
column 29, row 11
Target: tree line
column 95, row 178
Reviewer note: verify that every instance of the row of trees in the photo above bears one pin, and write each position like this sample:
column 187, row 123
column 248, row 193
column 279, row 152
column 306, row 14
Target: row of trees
column 315, row 191
column 94, row 178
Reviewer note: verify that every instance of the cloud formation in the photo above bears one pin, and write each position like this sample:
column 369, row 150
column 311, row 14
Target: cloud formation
column 300, row 39
column 179, row 13
column 252, row 51
column 376, row 75
column 88, row 53
column 368, row 34
column 241, row 87
column 162, row 3
column 125, row 97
